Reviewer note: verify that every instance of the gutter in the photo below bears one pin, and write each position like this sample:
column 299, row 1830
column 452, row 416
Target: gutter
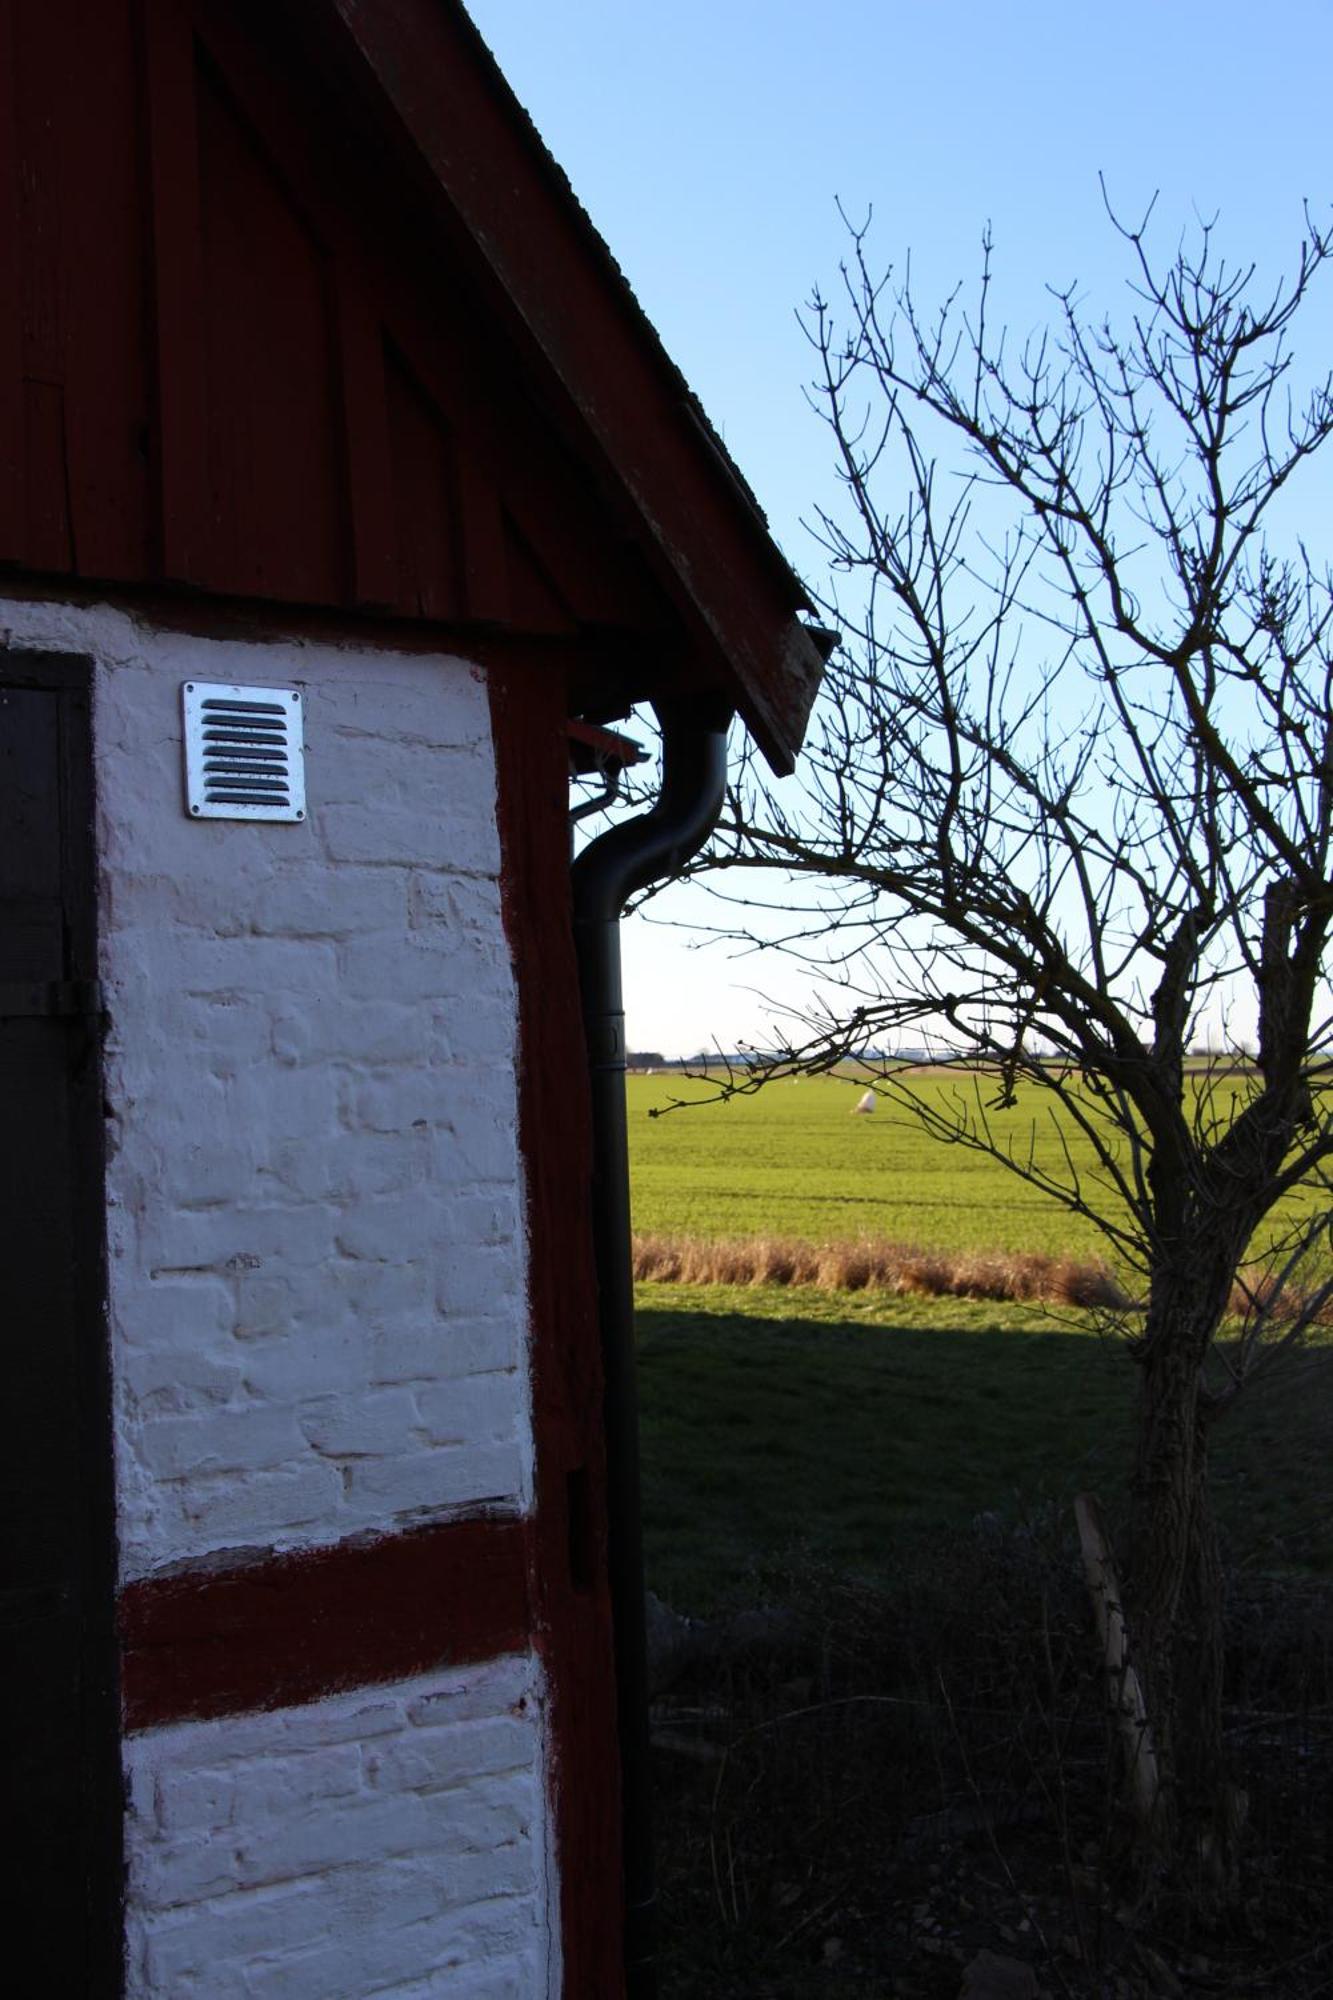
column 654, row 846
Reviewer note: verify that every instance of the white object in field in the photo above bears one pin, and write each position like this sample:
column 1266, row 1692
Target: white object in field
column 865, row 1103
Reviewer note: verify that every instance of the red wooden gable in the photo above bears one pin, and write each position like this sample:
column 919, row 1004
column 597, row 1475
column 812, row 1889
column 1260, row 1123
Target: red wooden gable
column 294, row 308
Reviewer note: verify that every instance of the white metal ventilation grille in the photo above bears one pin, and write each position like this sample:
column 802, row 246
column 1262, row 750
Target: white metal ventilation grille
column 244, row 756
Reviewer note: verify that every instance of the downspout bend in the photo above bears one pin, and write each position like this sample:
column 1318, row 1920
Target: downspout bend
column 661, row 841
column 627, row 858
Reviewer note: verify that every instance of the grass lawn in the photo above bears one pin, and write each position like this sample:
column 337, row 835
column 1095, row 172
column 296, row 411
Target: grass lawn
column 783, row 1425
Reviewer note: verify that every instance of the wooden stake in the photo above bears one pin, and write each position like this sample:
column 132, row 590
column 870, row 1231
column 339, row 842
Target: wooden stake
column 1123, row 1684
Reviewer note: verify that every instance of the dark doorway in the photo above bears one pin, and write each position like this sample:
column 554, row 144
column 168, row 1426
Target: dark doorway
column 58, row 1732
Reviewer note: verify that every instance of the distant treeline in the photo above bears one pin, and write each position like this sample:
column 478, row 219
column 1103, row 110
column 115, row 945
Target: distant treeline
column 864, row 1067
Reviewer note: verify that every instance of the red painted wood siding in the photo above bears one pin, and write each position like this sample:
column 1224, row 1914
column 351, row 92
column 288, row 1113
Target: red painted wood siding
column 231, row 357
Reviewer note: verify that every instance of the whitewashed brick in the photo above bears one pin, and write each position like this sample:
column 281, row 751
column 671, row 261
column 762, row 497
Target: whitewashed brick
column 478, row 1406
column 261, row 1789
column 301, row 904
column 474, row 1149
column 227, row 1030
column 229, row 1441
column 169, row 1381
column 206, row 1175
column 186, row 1868
column 141, row 1793
column 362, row 1965
column 351, row 1167
column 280, row 1846
column 473, row 1694
column 248, row 966
column 298, row 1368
column 400, row 1102
column 281, row 1015
column 265, row 1306
column 478, row 1038
column 491, row 1216
column 280, row 1925
column 438, row 966
column 272, row 1097
column 189, row 1314
column 412, row 699
column 197, row 1797
column 430, row 1760
column 240, row 859
column 370, row 1426
column 473, row 1280
column 236, row 1240
column 141, row 899
column 313, row 1135
column 388, row 1231
column 422, row 832
column 344, row 1849
column 254, row 1507
column 362, row 1031
column 443, row 1478
column 453, row 903
column 370, row 768
column 381, row 1294
column 355, row 1718
column 512, row 1980
column 446, row 1347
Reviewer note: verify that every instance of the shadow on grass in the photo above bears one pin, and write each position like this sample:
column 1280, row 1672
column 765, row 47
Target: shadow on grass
column 781, row 1425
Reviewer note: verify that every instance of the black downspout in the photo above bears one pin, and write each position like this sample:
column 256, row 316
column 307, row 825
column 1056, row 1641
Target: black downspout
column 656, row 844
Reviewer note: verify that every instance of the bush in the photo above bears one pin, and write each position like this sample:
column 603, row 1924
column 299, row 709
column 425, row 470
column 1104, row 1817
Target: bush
column 890, row 1779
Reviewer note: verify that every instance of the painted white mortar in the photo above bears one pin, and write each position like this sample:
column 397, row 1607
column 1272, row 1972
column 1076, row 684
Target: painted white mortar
column 317, row 1263
column 390, row 1842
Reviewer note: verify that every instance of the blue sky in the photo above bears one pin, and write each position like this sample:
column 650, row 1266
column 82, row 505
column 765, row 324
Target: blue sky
column 712, row 143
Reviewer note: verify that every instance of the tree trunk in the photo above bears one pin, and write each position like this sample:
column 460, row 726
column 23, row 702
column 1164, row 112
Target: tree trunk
column 1175, row 1583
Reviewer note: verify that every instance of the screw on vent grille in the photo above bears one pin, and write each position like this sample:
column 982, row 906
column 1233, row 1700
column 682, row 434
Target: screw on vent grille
column 244, row 757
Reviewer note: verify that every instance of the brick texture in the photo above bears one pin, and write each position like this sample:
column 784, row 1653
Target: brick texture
column 317, row 1257
column 314, row 1177
column 388, row 1843
column 318, row 1306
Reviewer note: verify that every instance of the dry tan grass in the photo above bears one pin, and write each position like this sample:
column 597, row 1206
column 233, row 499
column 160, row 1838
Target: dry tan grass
column 900, row 1268
column 871, row 1266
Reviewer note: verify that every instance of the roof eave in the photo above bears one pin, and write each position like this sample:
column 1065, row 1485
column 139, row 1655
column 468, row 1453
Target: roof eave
column 569, row 304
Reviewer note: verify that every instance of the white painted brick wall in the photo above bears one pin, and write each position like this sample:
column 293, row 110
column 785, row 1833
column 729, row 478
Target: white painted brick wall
column 317, row 1268
column 391, row 1843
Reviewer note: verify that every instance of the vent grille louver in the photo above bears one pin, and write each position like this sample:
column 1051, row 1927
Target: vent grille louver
column 244, row 754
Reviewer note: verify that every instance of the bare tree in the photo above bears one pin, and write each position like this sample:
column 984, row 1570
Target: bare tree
column 1068, row 804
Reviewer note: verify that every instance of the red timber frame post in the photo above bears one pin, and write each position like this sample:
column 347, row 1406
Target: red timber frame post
column 569, row 1541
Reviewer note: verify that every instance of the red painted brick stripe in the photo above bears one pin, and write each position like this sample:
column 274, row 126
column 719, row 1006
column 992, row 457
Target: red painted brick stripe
column 291, row 1628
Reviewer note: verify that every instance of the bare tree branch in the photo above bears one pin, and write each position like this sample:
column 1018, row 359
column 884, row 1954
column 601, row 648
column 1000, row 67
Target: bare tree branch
column 1068, row 804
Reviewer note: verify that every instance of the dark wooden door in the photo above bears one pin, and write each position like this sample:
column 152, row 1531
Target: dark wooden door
column 58, row 1756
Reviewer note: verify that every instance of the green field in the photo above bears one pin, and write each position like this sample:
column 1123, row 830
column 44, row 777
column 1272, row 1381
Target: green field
column 782, row 1425
column 792, row 1161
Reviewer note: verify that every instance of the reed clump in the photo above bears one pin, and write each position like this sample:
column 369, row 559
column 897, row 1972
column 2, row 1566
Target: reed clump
column 871, row 1266
column 874, row 1266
